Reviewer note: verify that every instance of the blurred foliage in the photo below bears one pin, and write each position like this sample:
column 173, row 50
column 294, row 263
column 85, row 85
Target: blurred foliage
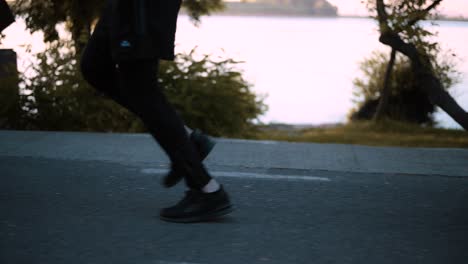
column 210, row 95
column 408, row 102
column 57, row 98
column 198, row 8
column 406, row 18
column 80, row 16
column 45, row 15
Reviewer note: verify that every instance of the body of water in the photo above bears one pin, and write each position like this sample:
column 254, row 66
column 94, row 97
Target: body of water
column 305, row 66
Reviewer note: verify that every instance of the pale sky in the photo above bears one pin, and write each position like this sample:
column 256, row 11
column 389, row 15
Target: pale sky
column 355, row 7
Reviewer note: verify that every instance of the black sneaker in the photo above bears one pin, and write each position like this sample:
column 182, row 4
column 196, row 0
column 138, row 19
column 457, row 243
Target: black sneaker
column 203, row 144
column 197, row 206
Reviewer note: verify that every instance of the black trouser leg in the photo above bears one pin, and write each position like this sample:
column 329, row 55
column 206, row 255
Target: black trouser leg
column 134, row 86
column 97, row 66
column 145, row 98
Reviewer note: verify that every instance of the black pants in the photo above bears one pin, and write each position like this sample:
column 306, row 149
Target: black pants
column 6, row 17
column 134, row 86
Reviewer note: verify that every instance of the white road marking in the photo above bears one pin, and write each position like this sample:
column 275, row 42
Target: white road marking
column 262, row 142
column 247, row 175
column 171, row 262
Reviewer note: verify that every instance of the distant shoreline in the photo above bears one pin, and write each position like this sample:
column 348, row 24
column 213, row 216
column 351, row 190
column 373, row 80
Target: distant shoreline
column 269, row 10
column 446, row 19
column 274, row 15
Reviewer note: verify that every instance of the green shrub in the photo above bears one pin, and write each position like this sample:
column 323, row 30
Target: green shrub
column 209, row 95
column 407, row 101
column 57, row 98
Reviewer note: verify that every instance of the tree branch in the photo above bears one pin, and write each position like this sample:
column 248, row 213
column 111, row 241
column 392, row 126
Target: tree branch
column 424, row 12
column 420, row 65
column 391, row 38
column 395, row 42
column 382, row 16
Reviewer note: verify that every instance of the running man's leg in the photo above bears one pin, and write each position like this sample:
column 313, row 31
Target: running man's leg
column 134, row 86
column 206, row 199
column 97, row 66
column 140, row 88
column 99, row 69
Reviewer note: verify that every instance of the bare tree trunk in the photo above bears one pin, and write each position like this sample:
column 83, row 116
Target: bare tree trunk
column 430, row 83
column 422, row 68
column 385, row 93
column 440, row 97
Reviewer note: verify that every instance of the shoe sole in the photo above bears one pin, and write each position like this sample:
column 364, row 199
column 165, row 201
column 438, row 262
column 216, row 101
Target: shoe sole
column 203, row 218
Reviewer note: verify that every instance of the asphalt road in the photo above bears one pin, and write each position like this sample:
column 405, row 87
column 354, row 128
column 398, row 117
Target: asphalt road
column 59, row 210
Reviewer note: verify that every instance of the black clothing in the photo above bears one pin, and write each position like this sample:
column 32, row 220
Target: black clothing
column 6, row 17
column 134, row 85
column 143, row 29
column 197, row 206
column 203, row 144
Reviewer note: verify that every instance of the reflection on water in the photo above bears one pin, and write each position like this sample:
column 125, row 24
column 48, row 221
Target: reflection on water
column 305, row 65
